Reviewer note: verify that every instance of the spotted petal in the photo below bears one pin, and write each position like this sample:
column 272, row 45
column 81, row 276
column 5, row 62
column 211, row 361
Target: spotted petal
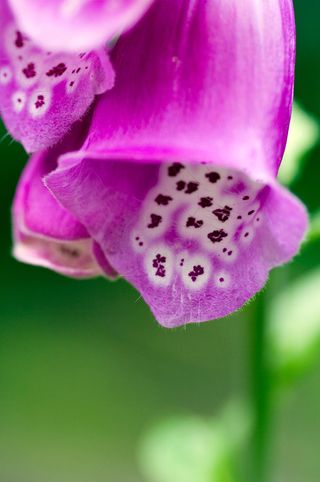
column 197, row 241
column 45, row 234
column 176, row 180
column 76, row 25
column 43, row 93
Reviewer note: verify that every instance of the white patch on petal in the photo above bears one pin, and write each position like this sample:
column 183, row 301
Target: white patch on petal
column 30, row 71
column 19, row 99
column 196, row 271
column 5, row 75
column 200, row 209
column 39, row 103
column 229, row 253
column 159, row 265
column 138, row 242
column 222, row 279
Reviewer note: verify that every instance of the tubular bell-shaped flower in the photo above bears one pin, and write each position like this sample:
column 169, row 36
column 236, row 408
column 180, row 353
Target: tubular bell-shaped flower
column 43, row 93
column 46, row 234
column 76, row 25
column 177, row 178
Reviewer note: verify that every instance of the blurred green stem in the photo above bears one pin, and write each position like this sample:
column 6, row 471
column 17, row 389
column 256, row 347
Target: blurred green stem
column 261, row 392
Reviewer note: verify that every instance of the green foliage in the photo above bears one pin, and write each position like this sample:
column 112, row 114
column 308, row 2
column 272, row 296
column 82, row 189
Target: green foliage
column 191, row 448
column 294, row 327
column 303, row 135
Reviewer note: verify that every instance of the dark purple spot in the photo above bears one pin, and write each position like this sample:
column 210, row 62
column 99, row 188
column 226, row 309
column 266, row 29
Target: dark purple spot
column 162, row 200
column 239, row 217
column 251, row 212
column 161, row 271
column 223, row 214
column 137, row 238
column 181, row 185
column 141, row 243
column 155, row 221
column 30, row 70
column 197, row 271
column 246, row 235
column 78, row 70
column 224, row 250
column 192, row 187
column 39, row 102
column 57, row 71
column 230, row 253
column 213, row 177
column 73, row 71
column 158, row 260
column 221, row 280
column 246, row 198
column 71, row 83
column 158, row 263
column 192, row 222
column 175, row 169
column 230, row 178
column 19, row 41
column 205, row 202
column 217, row 235
column 182, row 262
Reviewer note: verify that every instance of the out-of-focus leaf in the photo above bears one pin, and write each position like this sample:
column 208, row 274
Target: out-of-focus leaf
column 303, row 135
column 294, row 327
column 192, row 449
column 314, row 231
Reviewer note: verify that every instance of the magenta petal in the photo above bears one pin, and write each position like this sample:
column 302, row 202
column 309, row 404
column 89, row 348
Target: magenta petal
column 45, row 233
column 197, row 241
column 176, row 180
column 41, row 93
column 201, row 77
column 76, row 25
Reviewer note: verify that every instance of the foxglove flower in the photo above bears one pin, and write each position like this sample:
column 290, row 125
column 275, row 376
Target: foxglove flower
column 43, row 93
column 176, row 181
column 76, row 25
column 47, row 235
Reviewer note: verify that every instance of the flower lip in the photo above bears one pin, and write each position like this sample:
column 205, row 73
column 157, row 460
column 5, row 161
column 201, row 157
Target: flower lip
column 69, row 258
column 44, row 233
column 43, row 93
column 225, row 248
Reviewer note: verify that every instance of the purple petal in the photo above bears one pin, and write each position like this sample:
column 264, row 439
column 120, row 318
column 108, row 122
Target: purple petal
column 197, row 220
column 42, row 93
column 214, row 83
column 197, row 241
column 45, row 234
column 75, row 25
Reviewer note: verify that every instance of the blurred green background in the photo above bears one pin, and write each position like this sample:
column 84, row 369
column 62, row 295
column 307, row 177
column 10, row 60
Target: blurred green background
column 93, row 390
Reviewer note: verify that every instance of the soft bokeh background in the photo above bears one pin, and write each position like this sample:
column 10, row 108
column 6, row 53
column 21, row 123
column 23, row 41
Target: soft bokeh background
column 92, row 390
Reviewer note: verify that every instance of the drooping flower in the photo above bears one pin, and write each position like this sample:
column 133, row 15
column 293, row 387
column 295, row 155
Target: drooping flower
column 46, row 234
column 76, row 25
column 43, row 93
column 176, row 181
